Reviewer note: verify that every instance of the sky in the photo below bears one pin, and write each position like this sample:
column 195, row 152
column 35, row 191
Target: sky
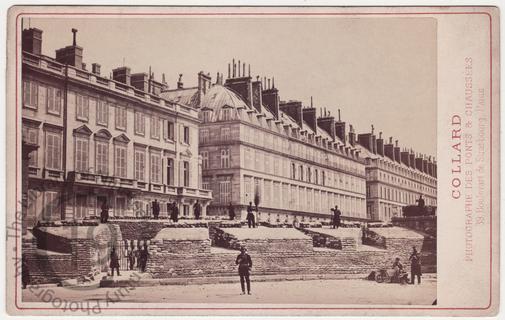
column 379, row 71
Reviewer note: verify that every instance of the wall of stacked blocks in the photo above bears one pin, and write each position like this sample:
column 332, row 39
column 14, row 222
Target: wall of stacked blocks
column 192, row 250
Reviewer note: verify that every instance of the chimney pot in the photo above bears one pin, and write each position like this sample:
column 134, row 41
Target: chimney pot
column 74, row 42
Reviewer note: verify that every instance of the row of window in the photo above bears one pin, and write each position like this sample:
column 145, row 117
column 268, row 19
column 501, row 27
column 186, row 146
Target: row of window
column 393, row 194
column 259, row 160
column 279, row 195
column 409, row 173
column 37, row 95
column 407, row 183
column 46, row 97
column 227, row 114
column 53, row 157
column 300, row 150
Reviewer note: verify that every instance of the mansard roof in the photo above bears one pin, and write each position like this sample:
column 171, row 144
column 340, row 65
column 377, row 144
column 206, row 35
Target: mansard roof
column 185, row 96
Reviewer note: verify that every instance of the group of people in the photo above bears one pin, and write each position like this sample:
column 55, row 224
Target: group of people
column 137, row 258
column 172, row 207
column 415, row 267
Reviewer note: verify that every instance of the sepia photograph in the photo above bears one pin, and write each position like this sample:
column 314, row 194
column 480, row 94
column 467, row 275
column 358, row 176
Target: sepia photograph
column 247, row 161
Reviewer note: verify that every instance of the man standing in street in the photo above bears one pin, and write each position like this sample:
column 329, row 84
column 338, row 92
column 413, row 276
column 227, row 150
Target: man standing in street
column 250, row 216
column 114, row 262
column 144, row 254
column 197, row 210
column 415, row 266
column 336, row 217
column 104, row 214
column 175, row 212
column 156, row 209
column 231, row 212
column 244, row 267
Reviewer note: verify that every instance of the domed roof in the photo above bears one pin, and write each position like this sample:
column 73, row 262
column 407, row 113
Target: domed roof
column 219, row 96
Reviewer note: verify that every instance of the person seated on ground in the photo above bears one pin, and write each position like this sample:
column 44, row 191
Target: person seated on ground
column 398, row 269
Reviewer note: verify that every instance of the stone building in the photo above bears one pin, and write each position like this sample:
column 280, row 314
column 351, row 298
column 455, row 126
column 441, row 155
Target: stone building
column 252, row 144
column 100, row 138
column 396, row 177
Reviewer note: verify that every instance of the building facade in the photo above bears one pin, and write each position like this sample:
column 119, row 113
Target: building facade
column 253, row 145
column 395, row 177
column 100, row 139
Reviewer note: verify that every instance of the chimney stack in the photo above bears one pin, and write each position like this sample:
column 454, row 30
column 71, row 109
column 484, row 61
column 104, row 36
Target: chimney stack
column 340, row 128
column 419, row 163
column 95, row 68
column 365, row 139
column 412, row 159
column 352, row 135
column 122, row 74
column 380, row 145
column 257, row 95
column 204, row 81
column 326, row 123
column 270, row 98
column 405, row 158
column 397, row 152
column 32, row 41
column 241, row 85
column 71, row 55
column 389, row 149
column 309, row 116
column 294, row 110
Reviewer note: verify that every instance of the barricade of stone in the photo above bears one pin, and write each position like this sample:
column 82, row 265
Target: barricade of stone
column 339, row 240
column 220, row 238
column 310, row 225
column 73, row 223
column 275, row 225
column 379, row 225
column 115, row 218
column 186, row 225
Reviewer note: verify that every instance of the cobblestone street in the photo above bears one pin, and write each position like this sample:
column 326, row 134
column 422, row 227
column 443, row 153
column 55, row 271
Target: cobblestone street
column 354, row 291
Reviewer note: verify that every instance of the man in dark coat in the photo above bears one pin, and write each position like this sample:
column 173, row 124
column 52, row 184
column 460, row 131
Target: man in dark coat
column 156, row 209
column 131, row 257
column 244, row 267
column 197, row 208
column 231, row 212
column 175, row 212
column 420, row 201
column 104, row 215
column 250, row 216
column 114, row 262
column 336, row 217
column 415, row 266
column 144, row 254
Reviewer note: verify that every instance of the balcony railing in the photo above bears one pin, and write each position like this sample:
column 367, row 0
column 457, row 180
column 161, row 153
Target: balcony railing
column 109, row 181
column 52, row 174
column 34, row 172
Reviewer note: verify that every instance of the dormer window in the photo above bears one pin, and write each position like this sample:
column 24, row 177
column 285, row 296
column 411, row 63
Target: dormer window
column 206, row 115
column 226, row 114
